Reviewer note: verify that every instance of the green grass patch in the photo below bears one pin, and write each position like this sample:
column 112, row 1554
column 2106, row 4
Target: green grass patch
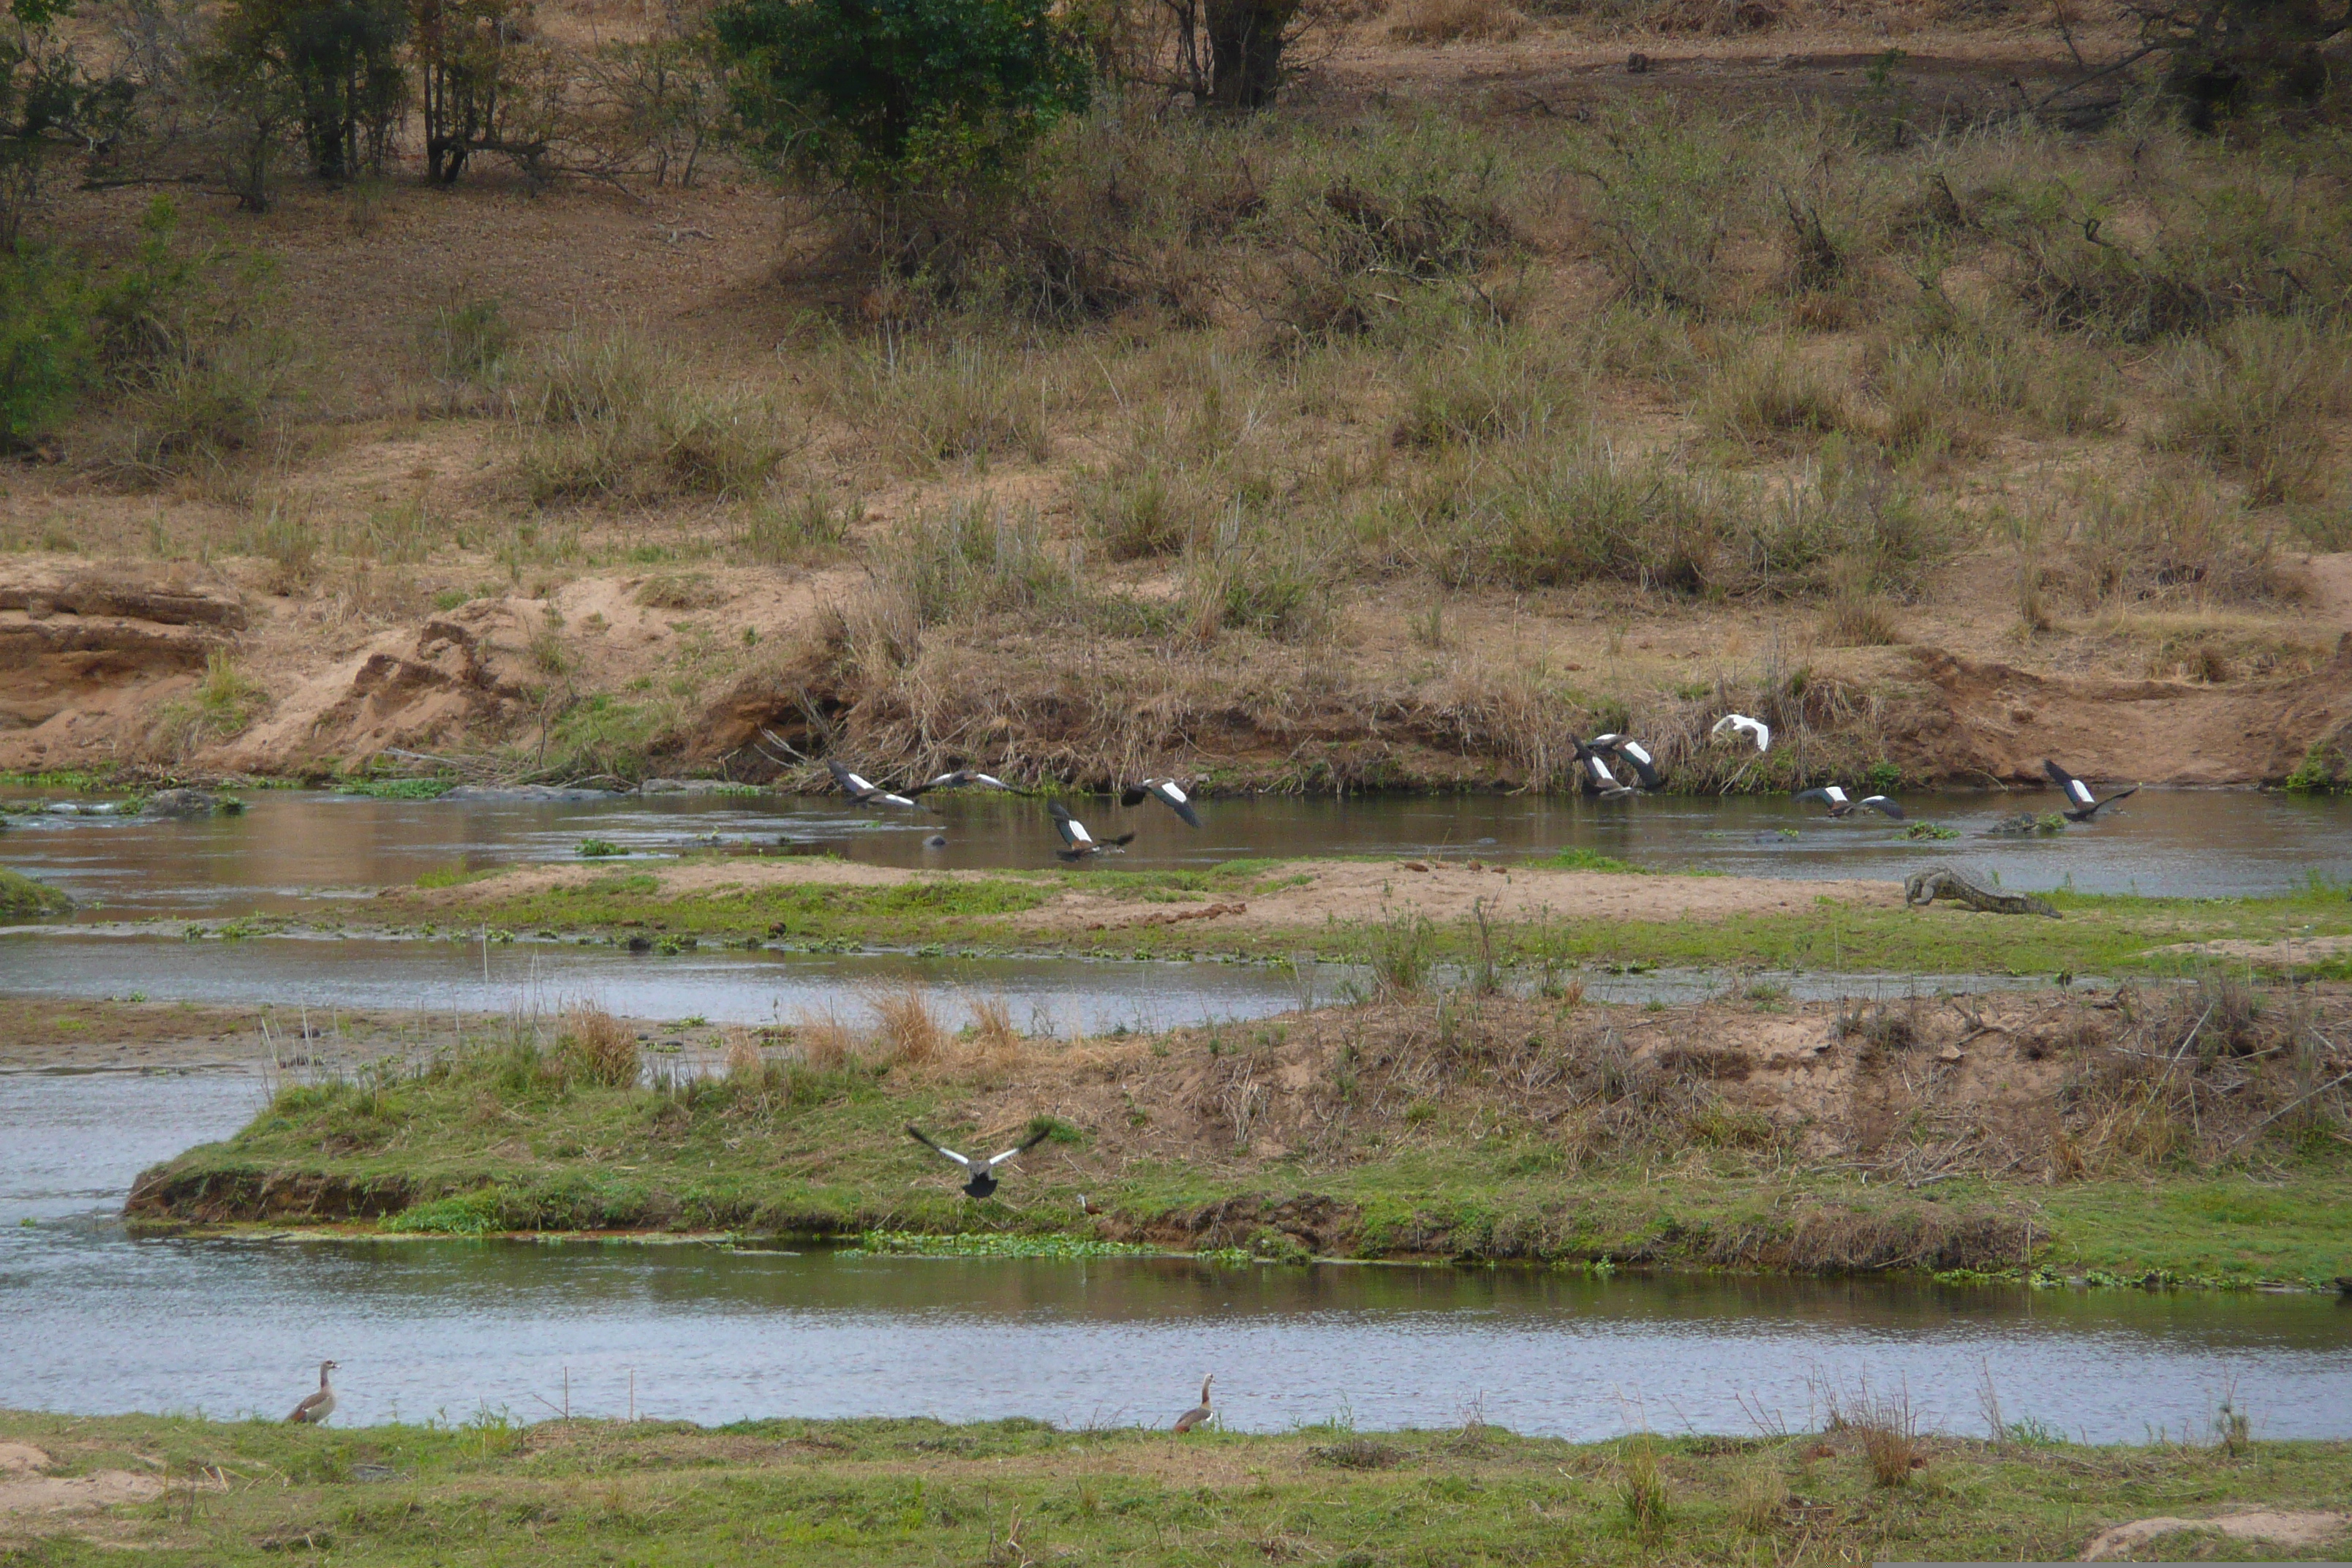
column 903, row 1492
column 397, row 789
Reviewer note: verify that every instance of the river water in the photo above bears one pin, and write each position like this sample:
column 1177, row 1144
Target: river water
column 93, row 1320
column 304, row 852
column 318, row 857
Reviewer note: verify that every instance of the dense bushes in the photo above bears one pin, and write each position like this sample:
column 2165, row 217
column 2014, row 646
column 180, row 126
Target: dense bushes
column 892, row 95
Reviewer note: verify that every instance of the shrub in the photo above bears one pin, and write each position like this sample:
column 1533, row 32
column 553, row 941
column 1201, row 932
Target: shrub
column 607, row 415
column 1770, row 399
column 469, row 341
column 1492, row 386
column 597, row 1047
column 1641, row 1485
column 46, row 352
column 1661, row 187
column 1400, row 953
column 776, row 533
column 965, row 399
column 2257, row 396
column 2167, row 541
column 1140, row 510
column 889, row 95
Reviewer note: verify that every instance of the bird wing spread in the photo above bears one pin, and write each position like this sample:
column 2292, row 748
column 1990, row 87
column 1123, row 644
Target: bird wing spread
column 1176, row 802
column 2119, row 794
column 2074, row 787
column 1881, row 803
column 1073, row 831
column 849, row 781
column 937, row 1148
column 1023, row 1147
column 1827, row 797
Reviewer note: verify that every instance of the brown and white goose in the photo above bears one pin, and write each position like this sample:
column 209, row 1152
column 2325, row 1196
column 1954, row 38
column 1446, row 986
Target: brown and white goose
column 1199, row 1413
column 317, row 1407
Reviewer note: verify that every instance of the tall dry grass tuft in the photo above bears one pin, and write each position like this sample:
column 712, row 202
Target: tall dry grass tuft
column 1889, row 1431
column 994, row 1037
column 745, row 1064
column 826, row 1042
column 1762, row 1497
column 597, row 1047
column 1641, row 1485
column 905, row 1028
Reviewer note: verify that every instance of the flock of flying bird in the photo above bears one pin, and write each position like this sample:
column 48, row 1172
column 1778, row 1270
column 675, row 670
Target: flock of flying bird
column 1077, row 843
column 1599, row 758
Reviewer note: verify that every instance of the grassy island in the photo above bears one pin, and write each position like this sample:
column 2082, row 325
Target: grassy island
column 2193, row 1133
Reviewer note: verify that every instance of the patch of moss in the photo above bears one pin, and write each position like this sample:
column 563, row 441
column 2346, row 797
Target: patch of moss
column 23, row 899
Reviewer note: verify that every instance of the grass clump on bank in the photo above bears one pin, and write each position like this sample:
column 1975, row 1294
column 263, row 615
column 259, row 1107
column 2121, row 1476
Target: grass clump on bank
column 920, row 1490
column 1984, row 1136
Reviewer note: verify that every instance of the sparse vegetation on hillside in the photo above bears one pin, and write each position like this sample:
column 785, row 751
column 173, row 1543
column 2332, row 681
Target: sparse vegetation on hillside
column 1230, row 388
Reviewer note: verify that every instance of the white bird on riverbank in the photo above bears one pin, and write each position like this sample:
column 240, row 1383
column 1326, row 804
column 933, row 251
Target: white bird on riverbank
column 317, row 1407
column 1840, row 804
column 1736, row 724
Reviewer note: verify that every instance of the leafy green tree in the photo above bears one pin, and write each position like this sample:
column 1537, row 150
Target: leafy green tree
column 891, row 96
column 45, row 346
column 338, row 62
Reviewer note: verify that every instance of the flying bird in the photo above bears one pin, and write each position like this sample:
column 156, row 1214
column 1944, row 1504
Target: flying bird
column 317, row 1407
column 865, row 793
column 962, row 777
column 1166, row 792
column 1199, row 1413
column 1598, row 779
column 1076, row 842
column 1629, row 750
column 981, row 1172
column 2086, row 806
column 1840, row 804
column 1736, row 724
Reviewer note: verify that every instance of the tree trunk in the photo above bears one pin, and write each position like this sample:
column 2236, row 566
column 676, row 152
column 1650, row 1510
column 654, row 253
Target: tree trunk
column 1246, row 38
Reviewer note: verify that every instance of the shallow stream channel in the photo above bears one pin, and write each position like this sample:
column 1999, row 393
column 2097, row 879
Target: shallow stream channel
column 95, row 1321
column 316, row 856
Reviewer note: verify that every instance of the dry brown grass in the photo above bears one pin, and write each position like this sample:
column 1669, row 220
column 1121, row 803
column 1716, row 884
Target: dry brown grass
column 1443, row 21
column 906, row 1029
column 598, row 1047
column 1888, row 1429
column 826, row 1042
column 745, row 1063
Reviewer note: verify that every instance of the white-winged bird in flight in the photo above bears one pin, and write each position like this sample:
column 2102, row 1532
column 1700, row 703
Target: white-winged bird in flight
column 1076, row 842
column 1167, row 793
column 1630, row 751
column 1738, row 724
column 2085, row 805
column 1840, row 804
column 981, row 1172
column 963, row 776
column 1598, row 779
column 866, row 792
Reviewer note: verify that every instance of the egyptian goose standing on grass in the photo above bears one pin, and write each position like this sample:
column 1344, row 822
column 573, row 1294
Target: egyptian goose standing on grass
column 1199, row 1413
column 317, row 1407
